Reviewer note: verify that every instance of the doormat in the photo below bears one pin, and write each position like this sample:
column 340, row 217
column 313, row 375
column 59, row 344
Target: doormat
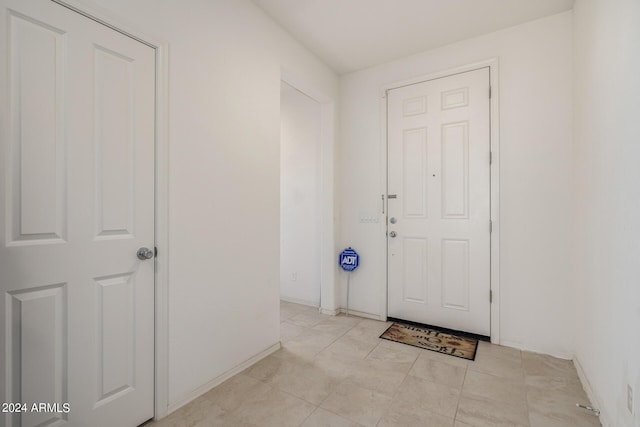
column 432, row 339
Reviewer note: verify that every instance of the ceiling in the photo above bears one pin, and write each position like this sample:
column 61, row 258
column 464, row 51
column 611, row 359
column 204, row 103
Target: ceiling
column 351, row 35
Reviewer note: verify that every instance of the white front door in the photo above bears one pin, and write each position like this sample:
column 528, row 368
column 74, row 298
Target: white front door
column 439, row 202
column 77, row 201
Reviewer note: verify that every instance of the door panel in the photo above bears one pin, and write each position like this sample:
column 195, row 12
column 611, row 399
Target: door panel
column 455, row 274
column 116, row 336
column 77, row 191
column 113, row 124
column 455, row 170
column 414, row 182
column 439, row 171
column 36, row 188
column 38, row 344
column 414, row 277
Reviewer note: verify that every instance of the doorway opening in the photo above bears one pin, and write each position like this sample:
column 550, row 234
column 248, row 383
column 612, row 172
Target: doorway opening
column 300, row 197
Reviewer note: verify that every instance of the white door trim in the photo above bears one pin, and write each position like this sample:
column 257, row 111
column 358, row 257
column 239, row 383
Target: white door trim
column 328, row 271
column 162, row 189
column 492, row 63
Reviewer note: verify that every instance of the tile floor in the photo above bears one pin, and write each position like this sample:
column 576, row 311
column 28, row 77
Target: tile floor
column 335, row 371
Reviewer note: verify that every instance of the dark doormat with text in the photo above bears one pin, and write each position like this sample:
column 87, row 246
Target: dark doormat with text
column 432, row 339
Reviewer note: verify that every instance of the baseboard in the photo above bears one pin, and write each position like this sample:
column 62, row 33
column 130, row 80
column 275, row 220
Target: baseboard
column 363, row 314
column 222, row 378
column 352, row 313
column 605, row 420
column 300, row 301
column 519, row 346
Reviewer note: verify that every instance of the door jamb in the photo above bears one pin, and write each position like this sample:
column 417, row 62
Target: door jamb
column 161, row 303
column 494, row 110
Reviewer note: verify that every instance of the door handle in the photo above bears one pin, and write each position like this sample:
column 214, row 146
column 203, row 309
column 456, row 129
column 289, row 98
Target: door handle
column 145, row 253
column 392, row 234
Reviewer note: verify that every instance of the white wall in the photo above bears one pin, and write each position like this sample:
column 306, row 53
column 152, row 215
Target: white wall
column 535, row 61
column 226, row 59
column 606, row 232
column 300, row 130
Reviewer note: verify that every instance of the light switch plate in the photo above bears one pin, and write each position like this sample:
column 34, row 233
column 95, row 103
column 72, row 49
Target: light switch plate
column 368, row 218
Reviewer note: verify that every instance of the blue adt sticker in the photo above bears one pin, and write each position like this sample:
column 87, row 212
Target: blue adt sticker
column 349, row 259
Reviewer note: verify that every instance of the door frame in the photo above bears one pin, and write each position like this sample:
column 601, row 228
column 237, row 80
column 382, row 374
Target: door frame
column 161, row 303
column 328, row 268
column 494, row 122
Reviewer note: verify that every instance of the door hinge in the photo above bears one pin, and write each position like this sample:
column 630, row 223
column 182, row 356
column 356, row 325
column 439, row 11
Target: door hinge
column 490, row 226
column 490, row 157
column 490, row 296
column 489, row 92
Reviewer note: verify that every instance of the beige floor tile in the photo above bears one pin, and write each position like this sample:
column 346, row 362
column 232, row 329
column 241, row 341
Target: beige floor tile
column 500, row 367
column 556, row 404
column 297, row 356
column 337, row 366
column 347, row 320
column 265, row 369
column 339, row 363
column 216, row 407
column 358, row 404
column 332, row 327
column 286, row 313
column 273, row 408
column 308, row 382
column 378, row 375
column 191, row 415
column 307, row 345
column 360, row 332
column 352, row 347
column 288, row 310
column 289, row 330
column 403, row 356
column 323, row 418
column 230, row 394
column 482, row 412
column 400, row 347
column 486, row 349
column 379, row 360
column 428, row 397
column 444, row 358
column 374, row 324
column 542, row 365
column 439, row 372
column 477, row 384
column 403, row 414
column 307, row 319
column 556, row 420
column 222, row 420
column 571, row 385
column 369, row 328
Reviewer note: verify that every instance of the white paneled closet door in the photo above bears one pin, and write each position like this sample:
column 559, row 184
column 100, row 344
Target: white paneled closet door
column 77, row 199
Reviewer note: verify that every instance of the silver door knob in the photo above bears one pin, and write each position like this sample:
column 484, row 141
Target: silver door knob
column 145, row 253
column 392, row 234
column 393, row 220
